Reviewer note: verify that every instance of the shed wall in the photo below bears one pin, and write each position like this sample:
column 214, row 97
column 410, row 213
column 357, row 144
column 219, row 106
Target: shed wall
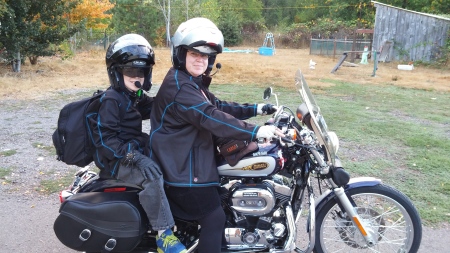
column 415, row 36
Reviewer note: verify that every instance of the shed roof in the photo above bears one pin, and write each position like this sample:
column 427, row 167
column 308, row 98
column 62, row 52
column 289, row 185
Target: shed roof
column 420, row 13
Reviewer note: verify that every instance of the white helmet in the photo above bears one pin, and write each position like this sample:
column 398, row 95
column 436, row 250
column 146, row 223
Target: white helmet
column 196, row 34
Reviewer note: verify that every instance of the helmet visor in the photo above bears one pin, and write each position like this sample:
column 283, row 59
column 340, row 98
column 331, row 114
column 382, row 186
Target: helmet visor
column 140, row 72
column 204, row 49
column 135, row 68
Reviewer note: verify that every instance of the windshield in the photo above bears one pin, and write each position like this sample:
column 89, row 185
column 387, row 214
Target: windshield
column 318, row 121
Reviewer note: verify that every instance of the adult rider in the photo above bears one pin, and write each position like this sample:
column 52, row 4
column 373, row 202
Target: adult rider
column 186, row 118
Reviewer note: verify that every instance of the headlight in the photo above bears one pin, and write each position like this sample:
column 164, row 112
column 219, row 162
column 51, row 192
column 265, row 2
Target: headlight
column 334, row 141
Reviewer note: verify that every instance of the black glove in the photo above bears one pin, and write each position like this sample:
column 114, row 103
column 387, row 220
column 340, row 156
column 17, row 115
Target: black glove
column 150, row 170
column 266, row 109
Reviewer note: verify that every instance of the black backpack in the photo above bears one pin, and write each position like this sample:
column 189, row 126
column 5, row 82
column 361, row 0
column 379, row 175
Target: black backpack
column 71, row 139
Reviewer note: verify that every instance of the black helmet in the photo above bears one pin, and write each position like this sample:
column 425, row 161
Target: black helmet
column 196, row 34
column 129, row 51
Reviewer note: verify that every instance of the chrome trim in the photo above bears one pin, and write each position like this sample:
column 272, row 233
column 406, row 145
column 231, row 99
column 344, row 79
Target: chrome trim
column 193, row 247
column 312, row 224
column 289, row 245
column 351, row 211
column 253, row 194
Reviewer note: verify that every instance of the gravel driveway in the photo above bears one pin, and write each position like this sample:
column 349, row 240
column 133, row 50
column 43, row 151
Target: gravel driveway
column 27, row 212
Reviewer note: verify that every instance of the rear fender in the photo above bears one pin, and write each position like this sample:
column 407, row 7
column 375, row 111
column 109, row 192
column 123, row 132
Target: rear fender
column 353, row 183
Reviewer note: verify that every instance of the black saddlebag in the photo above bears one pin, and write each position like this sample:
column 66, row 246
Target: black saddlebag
column 101, row 222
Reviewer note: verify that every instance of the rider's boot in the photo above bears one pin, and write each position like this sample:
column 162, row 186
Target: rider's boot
column 167, row 242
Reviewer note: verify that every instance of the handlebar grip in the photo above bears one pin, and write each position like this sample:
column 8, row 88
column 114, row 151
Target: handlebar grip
column 287, row 140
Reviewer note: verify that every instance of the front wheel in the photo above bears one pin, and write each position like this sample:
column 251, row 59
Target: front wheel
column 389, row 215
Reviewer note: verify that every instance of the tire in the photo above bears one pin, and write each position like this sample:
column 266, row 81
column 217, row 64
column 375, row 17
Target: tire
column 392, row 218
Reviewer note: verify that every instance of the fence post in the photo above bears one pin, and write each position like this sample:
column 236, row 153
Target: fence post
column 310, row 45
column 104, row 41
column 334, row 49
column 375, row 62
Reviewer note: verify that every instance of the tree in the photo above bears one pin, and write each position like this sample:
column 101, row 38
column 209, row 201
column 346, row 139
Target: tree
column 273, row 12
column 209, row 9
column 248, row 11
column 230, row 25
column 2, row 7
column 427, row 6
column 164, row 6
column 93, row 11
column 29, row 28
column 136, row 16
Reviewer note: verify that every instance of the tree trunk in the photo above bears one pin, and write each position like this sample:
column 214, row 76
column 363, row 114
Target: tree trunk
column 16, row 63
column 33, row 59
column 168, row 25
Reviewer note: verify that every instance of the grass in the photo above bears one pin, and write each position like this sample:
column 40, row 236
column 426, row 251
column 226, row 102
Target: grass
column 60, row 181
column 49, row 186
column 399, row 135
column 8, row 152
column 4, row 172
column 50, row 149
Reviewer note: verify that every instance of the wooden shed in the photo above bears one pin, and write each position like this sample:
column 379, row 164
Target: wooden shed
column 404, row 35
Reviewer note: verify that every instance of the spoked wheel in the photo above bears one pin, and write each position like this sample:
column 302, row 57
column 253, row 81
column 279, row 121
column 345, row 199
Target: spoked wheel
column 389, row 215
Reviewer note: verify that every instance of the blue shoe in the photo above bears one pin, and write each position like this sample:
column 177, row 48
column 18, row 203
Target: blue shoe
column 169, row 243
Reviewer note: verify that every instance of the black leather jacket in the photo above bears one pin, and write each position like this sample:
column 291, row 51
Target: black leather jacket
column 117, row 129
column 184, row 119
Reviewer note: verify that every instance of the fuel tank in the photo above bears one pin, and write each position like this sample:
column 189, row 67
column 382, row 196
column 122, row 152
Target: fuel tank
column 265, row 161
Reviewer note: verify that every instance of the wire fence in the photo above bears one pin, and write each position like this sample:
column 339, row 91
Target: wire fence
column 333, row 47
column 91, row 40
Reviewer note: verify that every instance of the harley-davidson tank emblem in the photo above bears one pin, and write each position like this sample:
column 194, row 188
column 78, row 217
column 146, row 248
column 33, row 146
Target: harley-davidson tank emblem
column 256, row 166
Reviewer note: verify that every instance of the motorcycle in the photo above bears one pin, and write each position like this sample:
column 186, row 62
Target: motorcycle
column 285, row 183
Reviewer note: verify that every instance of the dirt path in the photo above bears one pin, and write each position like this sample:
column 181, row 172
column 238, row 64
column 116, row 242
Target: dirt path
column 27, row 213
column 27, row 227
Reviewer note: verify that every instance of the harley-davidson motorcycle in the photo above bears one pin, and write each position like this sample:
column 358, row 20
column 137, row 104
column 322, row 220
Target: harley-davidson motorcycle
column 288, row 189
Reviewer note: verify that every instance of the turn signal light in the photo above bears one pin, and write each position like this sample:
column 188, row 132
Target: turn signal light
column 299, row 116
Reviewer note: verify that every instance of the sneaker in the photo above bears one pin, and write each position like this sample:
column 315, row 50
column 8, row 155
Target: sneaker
column 169, row 243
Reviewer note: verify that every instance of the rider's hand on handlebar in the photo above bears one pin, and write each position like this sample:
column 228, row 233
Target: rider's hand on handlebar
column 268, row 132
column 266, row 109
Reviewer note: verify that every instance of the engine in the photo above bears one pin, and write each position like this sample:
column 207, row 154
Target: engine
column 256, row 219
column 253, row 200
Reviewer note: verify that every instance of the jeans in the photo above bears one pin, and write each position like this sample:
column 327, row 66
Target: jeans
column 152, row 198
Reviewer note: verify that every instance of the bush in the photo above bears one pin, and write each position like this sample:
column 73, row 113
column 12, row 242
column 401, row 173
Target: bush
column 65, row 50
column 230, row 25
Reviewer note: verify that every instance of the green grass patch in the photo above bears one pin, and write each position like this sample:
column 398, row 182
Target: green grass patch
column 50, row 149
column 399, row 135
column 4, row 172
column 49, row 186
column 8, row 152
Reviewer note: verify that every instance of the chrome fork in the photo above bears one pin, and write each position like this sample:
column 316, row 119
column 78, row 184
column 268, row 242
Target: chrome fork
column 355, row 218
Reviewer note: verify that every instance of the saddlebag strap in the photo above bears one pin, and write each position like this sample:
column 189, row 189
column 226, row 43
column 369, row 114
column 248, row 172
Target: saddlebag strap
column 234, row 158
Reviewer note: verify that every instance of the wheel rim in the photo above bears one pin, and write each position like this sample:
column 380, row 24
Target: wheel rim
column 388, row 222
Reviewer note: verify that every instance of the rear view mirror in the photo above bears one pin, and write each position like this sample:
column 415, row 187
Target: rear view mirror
column 267, row 93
